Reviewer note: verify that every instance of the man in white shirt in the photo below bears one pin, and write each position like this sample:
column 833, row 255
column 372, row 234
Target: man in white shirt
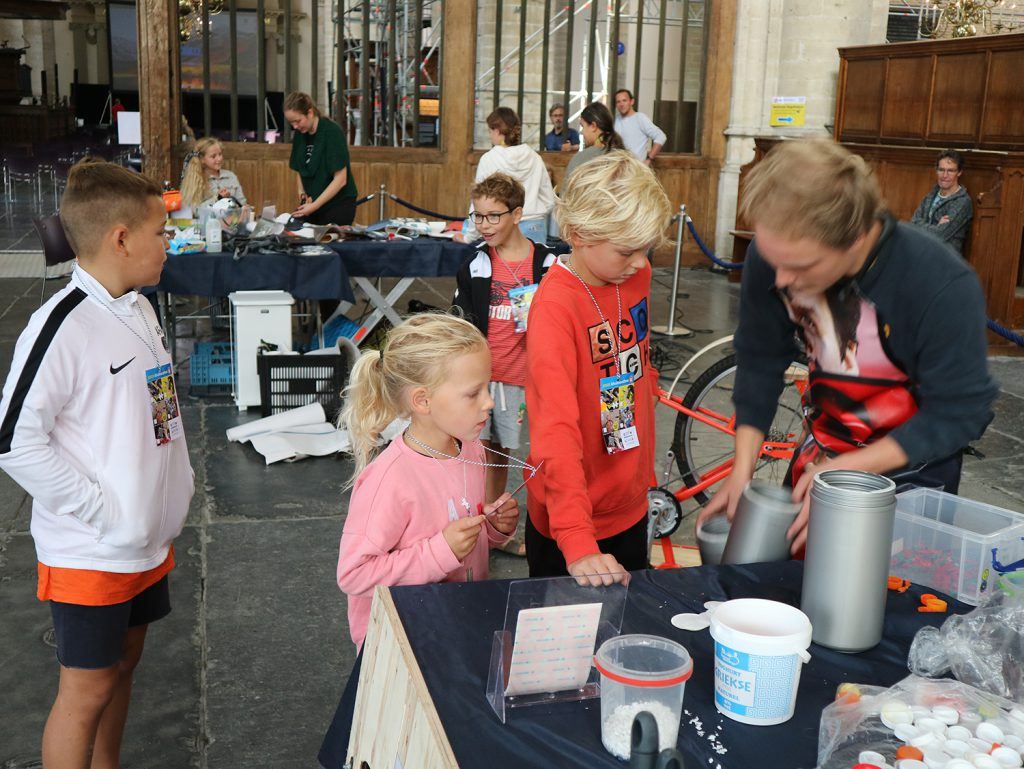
column 636, row 129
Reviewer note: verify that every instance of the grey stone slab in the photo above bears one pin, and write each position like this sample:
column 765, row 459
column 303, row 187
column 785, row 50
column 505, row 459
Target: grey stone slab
column 1007, row 371
column 279, row 650
column 242, row 485
column 15, row 505
column 163, row 725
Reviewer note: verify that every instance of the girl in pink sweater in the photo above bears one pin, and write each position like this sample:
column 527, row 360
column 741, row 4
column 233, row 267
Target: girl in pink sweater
column 417, row 511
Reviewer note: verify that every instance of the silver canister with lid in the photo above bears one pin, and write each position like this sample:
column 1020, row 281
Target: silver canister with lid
column 846, row 569
column 763, row 516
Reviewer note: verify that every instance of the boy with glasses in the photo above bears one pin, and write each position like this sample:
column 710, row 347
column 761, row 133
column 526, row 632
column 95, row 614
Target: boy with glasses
column 494, row 289
column 946, row 211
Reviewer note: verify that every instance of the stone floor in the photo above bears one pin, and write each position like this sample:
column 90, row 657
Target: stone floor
column 249, row 666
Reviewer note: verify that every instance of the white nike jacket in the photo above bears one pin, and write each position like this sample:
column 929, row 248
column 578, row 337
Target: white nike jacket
column 76, row 432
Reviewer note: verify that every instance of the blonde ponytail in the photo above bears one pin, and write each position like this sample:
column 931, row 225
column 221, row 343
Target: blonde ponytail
column 417, row 353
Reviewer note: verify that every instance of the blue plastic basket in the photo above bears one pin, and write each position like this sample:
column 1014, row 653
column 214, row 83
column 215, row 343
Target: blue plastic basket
column 210, row 370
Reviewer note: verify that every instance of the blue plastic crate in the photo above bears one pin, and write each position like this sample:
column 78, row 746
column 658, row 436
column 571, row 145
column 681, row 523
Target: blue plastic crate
column 210, row 369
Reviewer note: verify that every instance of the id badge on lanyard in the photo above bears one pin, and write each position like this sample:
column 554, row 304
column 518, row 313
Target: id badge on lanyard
column 618, row 413
column 164, row 403
column 521, row 297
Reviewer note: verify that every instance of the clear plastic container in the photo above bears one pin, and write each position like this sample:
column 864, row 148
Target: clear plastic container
column 641, row 672
column 953, row 544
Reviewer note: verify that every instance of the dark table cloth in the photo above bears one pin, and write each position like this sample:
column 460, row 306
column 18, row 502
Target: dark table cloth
column 450, row 628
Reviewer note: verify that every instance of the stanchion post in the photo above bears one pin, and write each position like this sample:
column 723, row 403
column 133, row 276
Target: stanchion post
column 669, row 329
column 381, row 200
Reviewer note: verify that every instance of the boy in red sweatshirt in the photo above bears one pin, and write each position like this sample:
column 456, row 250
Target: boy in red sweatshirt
column 590, row 384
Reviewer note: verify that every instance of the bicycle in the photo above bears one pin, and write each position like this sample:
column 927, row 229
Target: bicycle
column 703, row 441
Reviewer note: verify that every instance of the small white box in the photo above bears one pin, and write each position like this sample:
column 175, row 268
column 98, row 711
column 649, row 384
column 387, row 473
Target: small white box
column 953, row 544
column 256, row 317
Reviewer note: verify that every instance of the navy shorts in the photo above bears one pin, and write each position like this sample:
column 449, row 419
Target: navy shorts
column 92, row 637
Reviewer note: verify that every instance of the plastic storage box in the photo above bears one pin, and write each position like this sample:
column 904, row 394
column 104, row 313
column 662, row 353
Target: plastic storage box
column 290, row 381
column 955, row 545
column 210, row 368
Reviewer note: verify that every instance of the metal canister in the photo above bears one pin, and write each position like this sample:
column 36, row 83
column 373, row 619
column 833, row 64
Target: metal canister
column 849, row 539
column 763, row 516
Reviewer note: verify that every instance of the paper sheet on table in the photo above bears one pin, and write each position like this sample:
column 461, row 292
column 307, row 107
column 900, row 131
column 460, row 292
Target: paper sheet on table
column 554, row 648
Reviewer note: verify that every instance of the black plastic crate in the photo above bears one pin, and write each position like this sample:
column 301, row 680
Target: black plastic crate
column 290, row 381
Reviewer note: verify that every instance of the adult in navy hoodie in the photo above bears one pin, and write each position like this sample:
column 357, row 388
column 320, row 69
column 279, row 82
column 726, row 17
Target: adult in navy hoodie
column 892, row 322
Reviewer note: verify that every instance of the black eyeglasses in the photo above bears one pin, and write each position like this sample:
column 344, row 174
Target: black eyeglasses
column 491, row 218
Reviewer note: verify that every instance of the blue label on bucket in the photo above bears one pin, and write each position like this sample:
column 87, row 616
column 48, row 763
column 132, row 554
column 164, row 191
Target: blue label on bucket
column 754, row 685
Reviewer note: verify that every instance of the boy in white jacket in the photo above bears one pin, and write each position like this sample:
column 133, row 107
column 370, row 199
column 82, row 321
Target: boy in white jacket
column 522, row 163
column 90, row 427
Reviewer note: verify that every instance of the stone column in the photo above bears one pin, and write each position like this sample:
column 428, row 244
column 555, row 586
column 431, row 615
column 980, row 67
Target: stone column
column 786, row 48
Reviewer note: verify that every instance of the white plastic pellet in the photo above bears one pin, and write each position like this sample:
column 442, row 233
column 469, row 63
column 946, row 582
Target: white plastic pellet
column 906, row 732
column 934, row 758
column 989, row 732
column 911, row 763
column 617, row 728
column 931, row 725
column 871, row 758
column 970, row 719
column 1007, row 756
column 897, row 712
column 946, row 714
column 959, row 732
column 980, row 745
column 1013, row 741
column 956, row 748
column 986, row 762
column 959, row 763
column 925, row 739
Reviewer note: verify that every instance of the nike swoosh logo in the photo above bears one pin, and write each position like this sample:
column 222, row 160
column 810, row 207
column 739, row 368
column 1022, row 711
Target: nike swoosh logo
column 115, row 370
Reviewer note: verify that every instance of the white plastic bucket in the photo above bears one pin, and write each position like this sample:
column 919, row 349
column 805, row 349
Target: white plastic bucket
column 759, row 648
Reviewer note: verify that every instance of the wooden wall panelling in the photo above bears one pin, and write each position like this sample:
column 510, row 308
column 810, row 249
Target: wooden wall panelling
column 861, row 110
column 907, row 91
column 958, row 98
column 1003, row 123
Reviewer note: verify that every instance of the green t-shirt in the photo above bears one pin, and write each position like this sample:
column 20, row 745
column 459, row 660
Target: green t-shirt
column 316, row 158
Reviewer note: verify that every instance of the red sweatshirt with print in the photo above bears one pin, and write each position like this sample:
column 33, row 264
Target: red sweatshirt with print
column 582, row 493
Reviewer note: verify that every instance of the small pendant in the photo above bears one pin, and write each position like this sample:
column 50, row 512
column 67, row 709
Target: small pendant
column 465, row 504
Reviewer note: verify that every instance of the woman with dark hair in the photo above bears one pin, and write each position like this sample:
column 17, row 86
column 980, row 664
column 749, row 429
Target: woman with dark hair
column 510, row 156
column 327, row 191
column 597, row 127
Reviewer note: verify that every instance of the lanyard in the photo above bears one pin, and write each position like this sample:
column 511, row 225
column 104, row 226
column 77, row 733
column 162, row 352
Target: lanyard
column 618, row 301
column 515, row 277
column 150, row 345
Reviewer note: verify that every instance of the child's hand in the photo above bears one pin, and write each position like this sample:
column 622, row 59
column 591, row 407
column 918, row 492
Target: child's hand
column 598, row 569
column 461, row 535
column 503, row 513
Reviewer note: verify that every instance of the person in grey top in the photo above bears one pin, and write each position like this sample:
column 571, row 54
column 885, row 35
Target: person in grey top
column 597, row 127
column 639, row 134
column 946, row 210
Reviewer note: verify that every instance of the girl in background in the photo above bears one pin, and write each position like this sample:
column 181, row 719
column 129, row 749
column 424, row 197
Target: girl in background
column 205, row 180
column 417, row 512
column 597, row 127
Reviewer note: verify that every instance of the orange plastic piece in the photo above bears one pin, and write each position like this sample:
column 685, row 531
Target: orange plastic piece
column 994, row 746
column 172, row 200
column 848, row 693
column 899, row 584
column 930, row 604
column 908, row 751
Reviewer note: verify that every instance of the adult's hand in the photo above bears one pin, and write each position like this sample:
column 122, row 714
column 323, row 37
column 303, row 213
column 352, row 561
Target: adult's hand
column 598, row 569
column 304, row 210
column 726, row 499
column 944, row 220
column 566, row 146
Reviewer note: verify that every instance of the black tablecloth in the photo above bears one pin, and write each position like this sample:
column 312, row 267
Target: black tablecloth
column 304, row 277
column 418, row 258
column 450, row 628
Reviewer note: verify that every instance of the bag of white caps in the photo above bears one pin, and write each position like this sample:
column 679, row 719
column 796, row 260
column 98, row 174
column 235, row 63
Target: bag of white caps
column 920, row 723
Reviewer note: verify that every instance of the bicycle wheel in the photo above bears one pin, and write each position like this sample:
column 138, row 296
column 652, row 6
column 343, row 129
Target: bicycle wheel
column 699, row 447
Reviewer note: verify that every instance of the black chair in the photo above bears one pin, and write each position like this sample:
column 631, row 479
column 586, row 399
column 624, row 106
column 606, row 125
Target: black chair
column 56, row 248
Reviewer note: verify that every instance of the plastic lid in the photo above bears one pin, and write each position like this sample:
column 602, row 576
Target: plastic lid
column 660, row 673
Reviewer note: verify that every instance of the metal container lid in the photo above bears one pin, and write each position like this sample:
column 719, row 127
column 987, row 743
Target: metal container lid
column 854, row 488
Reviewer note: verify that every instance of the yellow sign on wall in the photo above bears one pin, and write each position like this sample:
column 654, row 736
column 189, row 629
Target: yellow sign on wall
column 787, row 111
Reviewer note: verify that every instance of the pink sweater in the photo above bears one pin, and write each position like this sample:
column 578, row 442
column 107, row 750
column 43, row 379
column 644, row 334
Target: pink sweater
column 400, row 504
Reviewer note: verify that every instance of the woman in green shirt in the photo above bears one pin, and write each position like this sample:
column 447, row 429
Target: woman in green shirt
column 327, row 191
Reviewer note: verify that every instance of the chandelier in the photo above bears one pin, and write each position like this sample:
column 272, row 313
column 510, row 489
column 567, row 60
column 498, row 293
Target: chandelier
column 966, row 18
column 190, row 15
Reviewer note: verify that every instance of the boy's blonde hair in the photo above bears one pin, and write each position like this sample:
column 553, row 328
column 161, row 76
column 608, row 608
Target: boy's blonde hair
column 194, row 187
column 813, row 188
column 614, row 198
column 417, row 353
column 101, row 195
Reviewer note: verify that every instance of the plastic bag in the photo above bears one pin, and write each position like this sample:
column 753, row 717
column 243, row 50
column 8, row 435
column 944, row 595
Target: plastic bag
column 853, row 724
column 984, row 648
